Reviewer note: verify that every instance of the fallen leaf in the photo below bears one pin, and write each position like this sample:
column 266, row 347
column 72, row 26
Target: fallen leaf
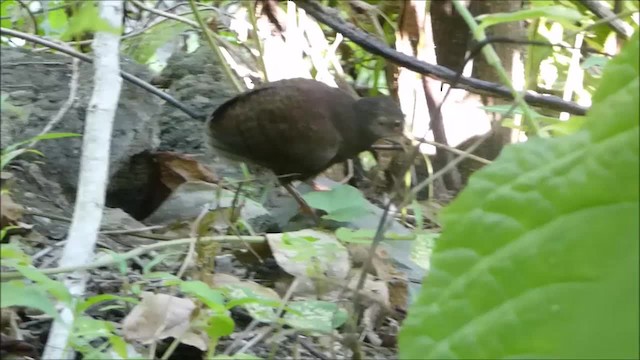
column 10, row 212
column 310, row 254
column 176, row 169
column 159, row 316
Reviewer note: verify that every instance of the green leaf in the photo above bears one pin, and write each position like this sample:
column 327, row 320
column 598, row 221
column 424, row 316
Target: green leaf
column 87, row 19
column 47, row 136
column 259, row 306
column 423, row 248
column 86, row 304
column 360, row 236
column 56, row 22
column 315, row 315
column 342, row 203
column 92, row 328
column 538, row 257
column 143, row 47
column 55, row 288
column 594, row 61
column 220, row 325
column 558, row 13
column 15, row 293
column 210, row 297
column 11, row 10
column 119, row 346
column 12, row 252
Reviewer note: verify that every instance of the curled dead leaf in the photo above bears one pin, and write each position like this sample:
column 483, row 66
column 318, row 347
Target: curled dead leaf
column 176, row 169
column 10, row 212
column 159, row 316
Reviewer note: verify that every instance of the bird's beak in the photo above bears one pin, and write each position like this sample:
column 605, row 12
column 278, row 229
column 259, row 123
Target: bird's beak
column 398, row 125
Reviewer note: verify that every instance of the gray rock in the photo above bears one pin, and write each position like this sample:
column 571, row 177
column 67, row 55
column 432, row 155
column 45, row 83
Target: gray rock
column 37, row 84
column 188, row 200
column 196, row 80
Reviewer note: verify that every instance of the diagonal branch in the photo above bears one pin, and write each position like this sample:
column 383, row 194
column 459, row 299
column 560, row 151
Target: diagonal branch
column 477, row 86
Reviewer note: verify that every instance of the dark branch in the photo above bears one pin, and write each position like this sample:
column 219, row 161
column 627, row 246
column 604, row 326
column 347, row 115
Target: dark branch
column 603, row 12
column 441, row 73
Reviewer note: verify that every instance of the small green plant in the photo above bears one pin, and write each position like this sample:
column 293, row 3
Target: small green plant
column 13, row 151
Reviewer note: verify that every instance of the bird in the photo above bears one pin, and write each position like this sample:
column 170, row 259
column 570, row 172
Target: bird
column 297, row 128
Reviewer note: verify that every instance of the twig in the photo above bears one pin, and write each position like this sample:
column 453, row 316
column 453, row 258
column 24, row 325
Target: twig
column 73, row 90
column 256, row 339
column 209, row 35
column 107, row 260
column 428, row 181
column 494, row 60
column 240, row 337
column 310, row 348
column 437, row 144
column 132, row 231
column 31, row 15
column 279, row 324
column 600, row 10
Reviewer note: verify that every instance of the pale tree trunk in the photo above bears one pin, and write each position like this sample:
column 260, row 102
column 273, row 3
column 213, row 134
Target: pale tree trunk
column 94, row 170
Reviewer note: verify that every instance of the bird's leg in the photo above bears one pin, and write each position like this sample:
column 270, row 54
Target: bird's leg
column 350, row 172
column 304, row 207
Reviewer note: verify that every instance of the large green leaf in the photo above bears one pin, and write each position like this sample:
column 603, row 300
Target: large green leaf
column 539, row 255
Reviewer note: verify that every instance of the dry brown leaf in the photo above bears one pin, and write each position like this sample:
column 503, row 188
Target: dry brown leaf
column 159, row 316
column 376, row 291
column 10, row 212
column 176, row 169
column 13, row 348
column 399, row 292
column 382, row 264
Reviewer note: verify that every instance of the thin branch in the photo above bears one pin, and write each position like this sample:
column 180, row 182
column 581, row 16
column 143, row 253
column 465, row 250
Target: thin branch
column 73, row 91
column 494, row 60
column 31, row 15
column 603, row 12
column 108, row 260
column 441, row 73
column 128, row 77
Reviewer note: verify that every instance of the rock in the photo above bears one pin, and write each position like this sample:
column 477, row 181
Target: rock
column 198, row 81
column 37, row 84
column 188, row 200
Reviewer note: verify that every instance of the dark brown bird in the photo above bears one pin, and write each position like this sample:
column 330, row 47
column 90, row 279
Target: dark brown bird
column 299, row 127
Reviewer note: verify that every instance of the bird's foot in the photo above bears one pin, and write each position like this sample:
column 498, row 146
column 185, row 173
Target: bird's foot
column 319, row 187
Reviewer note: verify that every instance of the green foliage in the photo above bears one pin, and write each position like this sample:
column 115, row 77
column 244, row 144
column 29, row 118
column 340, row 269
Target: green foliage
column 539, row 255
column 365, row 236
column 14, row 150
column 342, row 203
column 315, row 316
column 87, row 19
column 558, row 13
column 212, row 298
column 142, row 48
column 41, row 292
column 16, row 292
